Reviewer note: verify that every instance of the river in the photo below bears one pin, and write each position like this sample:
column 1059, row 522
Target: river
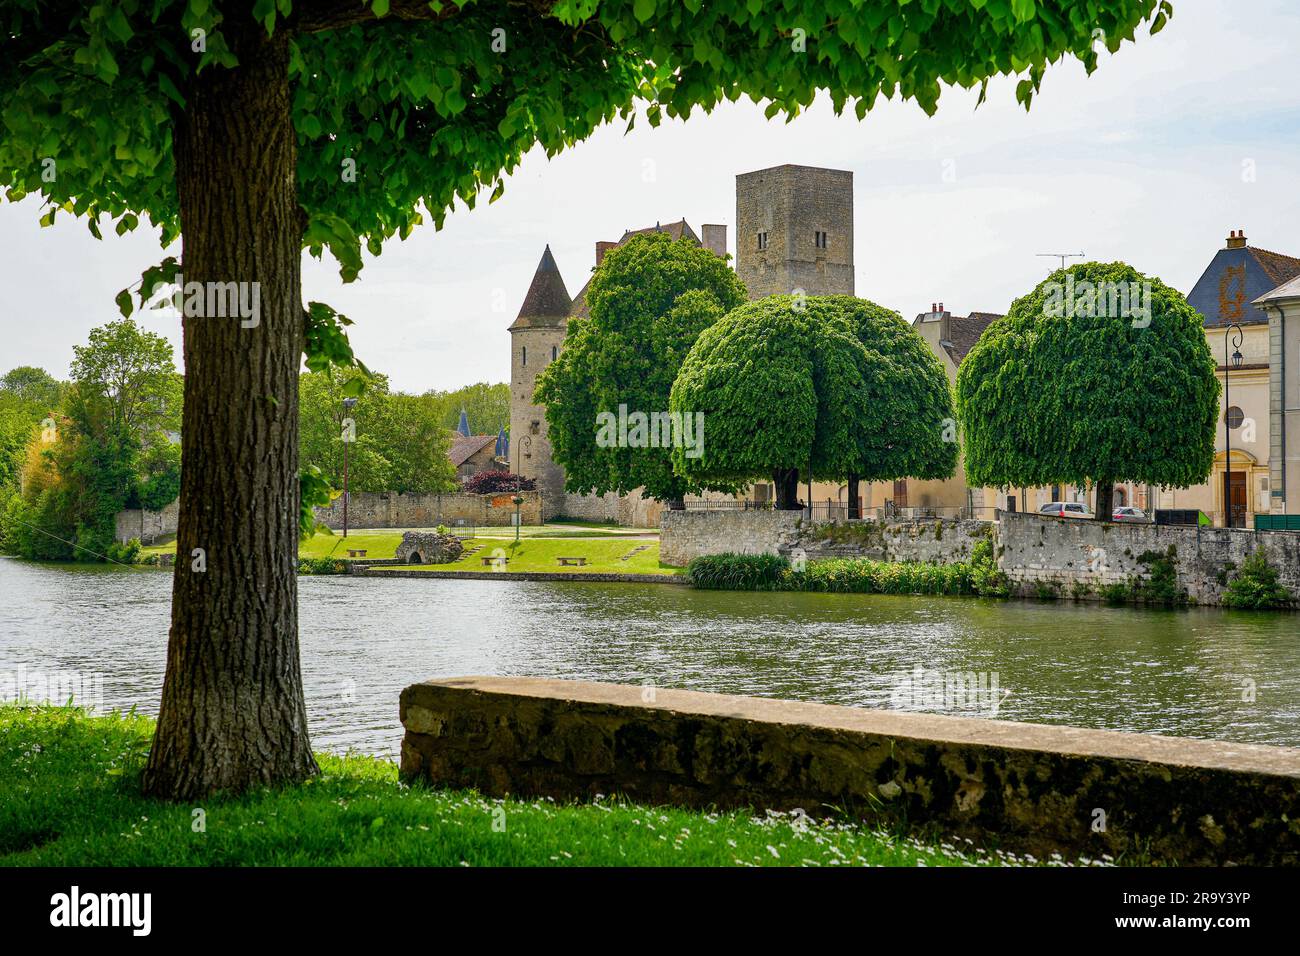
column 1181, row 672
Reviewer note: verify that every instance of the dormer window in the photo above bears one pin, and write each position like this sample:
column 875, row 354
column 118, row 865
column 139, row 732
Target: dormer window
column 820, row 239
column 762, row 242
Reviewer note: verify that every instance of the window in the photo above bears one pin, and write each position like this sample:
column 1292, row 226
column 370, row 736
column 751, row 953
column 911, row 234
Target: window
column 555, row 351
column 1234, row 417
column 820, row 239
column 525, row 356
column 1056, row 492
column 762, row 242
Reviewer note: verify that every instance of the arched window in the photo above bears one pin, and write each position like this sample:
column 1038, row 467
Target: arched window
column 1234, row 417
column 555, row 351
column 525, row 356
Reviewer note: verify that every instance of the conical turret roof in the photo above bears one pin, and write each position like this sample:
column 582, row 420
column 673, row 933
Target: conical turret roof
column 547, row 301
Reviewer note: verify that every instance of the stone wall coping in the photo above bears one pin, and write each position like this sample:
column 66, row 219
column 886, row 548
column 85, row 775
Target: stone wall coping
column 630, row 578
column 1070, row 741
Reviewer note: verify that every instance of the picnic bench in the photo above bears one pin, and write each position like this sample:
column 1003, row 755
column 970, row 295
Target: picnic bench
column 488, row 559
column 572, row 562
column 356, row 552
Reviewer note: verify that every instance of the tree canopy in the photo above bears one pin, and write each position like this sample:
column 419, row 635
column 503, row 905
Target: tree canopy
column 832, row 386
column 1077, row 385
column 649, row 300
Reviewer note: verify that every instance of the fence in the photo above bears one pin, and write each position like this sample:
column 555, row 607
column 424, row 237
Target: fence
column 1277, row 522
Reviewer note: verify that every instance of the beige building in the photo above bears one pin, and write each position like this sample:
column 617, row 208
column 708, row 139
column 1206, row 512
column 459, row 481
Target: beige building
column 1282, row 308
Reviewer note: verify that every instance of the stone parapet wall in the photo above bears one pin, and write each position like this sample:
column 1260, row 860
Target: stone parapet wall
column 1031, row 788
column 368, row 509
column 686, row 535
column 1071, row 554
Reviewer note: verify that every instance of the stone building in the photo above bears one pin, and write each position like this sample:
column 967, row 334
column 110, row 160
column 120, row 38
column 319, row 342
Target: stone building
column 1282, row 307
column 795, row 232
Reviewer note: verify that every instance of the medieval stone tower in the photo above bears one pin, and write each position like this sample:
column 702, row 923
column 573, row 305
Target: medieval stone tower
column 536, row 338
column 794, row 230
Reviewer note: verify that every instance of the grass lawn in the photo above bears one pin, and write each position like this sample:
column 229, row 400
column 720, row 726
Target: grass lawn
column 71, row 797
column 541, row 554
column 383, row 542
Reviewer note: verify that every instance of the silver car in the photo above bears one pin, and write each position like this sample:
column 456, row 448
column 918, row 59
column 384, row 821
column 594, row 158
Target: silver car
column 1129, row 513
column 1066, row 509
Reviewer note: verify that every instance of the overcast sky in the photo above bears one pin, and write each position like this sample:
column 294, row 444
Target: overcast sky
column 1174, row 141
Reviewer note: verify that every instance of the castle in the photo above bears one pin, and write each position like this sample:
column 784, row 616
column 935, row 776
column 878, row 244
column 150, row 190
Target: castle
column 794, row 231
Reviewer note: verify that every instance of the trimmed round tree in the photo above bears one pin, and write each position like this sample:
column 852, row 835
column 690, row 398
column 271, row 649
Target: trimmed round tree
column 786, row 384
column 1099, row 375
column 649, row 301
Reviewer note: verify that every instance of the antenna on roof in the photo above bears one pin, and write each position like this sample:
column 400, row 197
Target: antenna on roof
column 1061, row 255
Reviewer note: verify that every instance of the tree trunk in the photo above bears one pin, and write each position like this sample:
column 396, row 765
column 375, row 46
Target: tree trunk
column 232, row 713
column 786, row 481
column 677, row 504
column 1105, row 500
column 854, row 510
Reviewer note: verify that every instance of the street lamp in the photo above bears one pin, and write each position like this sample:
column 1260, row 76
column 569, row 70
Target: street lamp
column 518, row 500
column 1227, row 416
column 348, row 434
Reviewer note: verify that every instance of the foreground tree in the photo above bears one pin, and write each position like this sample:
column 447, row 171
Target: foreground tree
column 832, row 387
column 255, row 128
column 649, row 300
column 1099, row 375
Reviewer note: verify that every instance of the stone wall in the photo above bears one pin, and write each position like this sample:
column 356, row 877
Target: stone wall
column 1025, row 787
column 392, row 510
column 148, row 526
column 684, row 535
column 1071, row 554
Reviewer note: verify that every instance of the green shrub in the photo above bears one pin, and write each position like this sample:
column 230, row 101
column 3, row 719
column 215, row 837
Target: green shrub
column 322, row 566
column 1120, row 592
column 128, row 553
column 987, row 579
column 738, row 572
column 1161, row 587
column 1255, row 587
column 1046, row 590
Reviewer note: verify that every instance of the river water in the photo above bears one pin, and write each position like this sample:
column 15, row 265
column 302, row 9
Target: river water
column 1183, row 672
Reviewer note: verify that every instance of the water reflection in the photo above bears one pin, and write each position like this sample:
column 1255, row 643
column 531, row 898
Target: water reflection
column 1170, row 672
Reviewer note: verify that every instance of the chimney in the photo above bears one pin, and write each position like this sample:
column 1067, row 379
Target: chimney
column 1237, row 239
column 715, row 238
column 602, row 248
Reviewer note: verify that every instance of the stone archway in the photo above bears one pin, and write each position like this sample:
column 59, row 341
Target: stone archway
column 415, row 557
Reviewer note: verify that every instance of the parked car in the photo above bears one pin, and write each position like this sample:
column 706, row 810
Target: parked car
column 1129, row 513
column 1066, row 509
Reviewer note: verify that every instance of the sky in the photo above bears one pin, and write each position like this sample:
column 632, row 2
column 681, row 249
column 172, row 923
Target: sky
column 1174, row 141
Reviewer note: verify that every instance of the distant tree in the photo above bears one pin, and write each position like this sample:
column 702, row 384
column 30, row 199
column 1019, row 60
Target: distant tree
column 649, row 300
column 131, row 372
column 34, row 386
column 486, row 406
column 1081, row 385
column 396, row 442
column 787, row 386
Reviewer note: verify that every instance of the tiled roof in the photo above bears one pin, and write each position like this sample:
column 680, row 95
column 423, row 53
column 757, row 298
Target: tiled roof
column 1236, row 277
column 547, row 299
column 465, row 447
column 1287, row 290
column 965, row 331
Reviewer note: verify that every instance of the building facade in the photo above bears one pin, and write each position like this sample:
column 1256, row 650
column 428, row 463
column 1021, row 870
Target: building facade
column 1281, row 306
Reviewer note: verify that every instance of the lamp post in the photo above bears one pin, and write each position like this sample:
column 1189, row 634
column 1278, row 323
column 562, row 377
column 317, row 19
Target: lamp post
column 518, row 500
column 348, row 434
column 1227, row 415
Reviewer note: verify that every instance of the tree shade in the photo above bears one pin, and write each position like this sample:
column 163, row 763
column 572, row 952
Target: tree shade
column 255, row 129
column 1081, row 385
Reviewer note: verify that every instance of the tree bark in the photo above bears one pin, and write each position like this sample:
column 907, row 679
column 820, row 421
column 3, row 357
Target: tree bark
column 786, row 481
column 1105, row 500
column 232, row 714
column 854, row 510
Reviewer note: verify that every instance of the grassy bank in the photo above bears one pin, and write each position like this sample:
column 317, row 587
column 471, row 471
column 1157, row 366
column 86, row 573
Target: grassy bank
column 616, row 556
column 71, row 797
